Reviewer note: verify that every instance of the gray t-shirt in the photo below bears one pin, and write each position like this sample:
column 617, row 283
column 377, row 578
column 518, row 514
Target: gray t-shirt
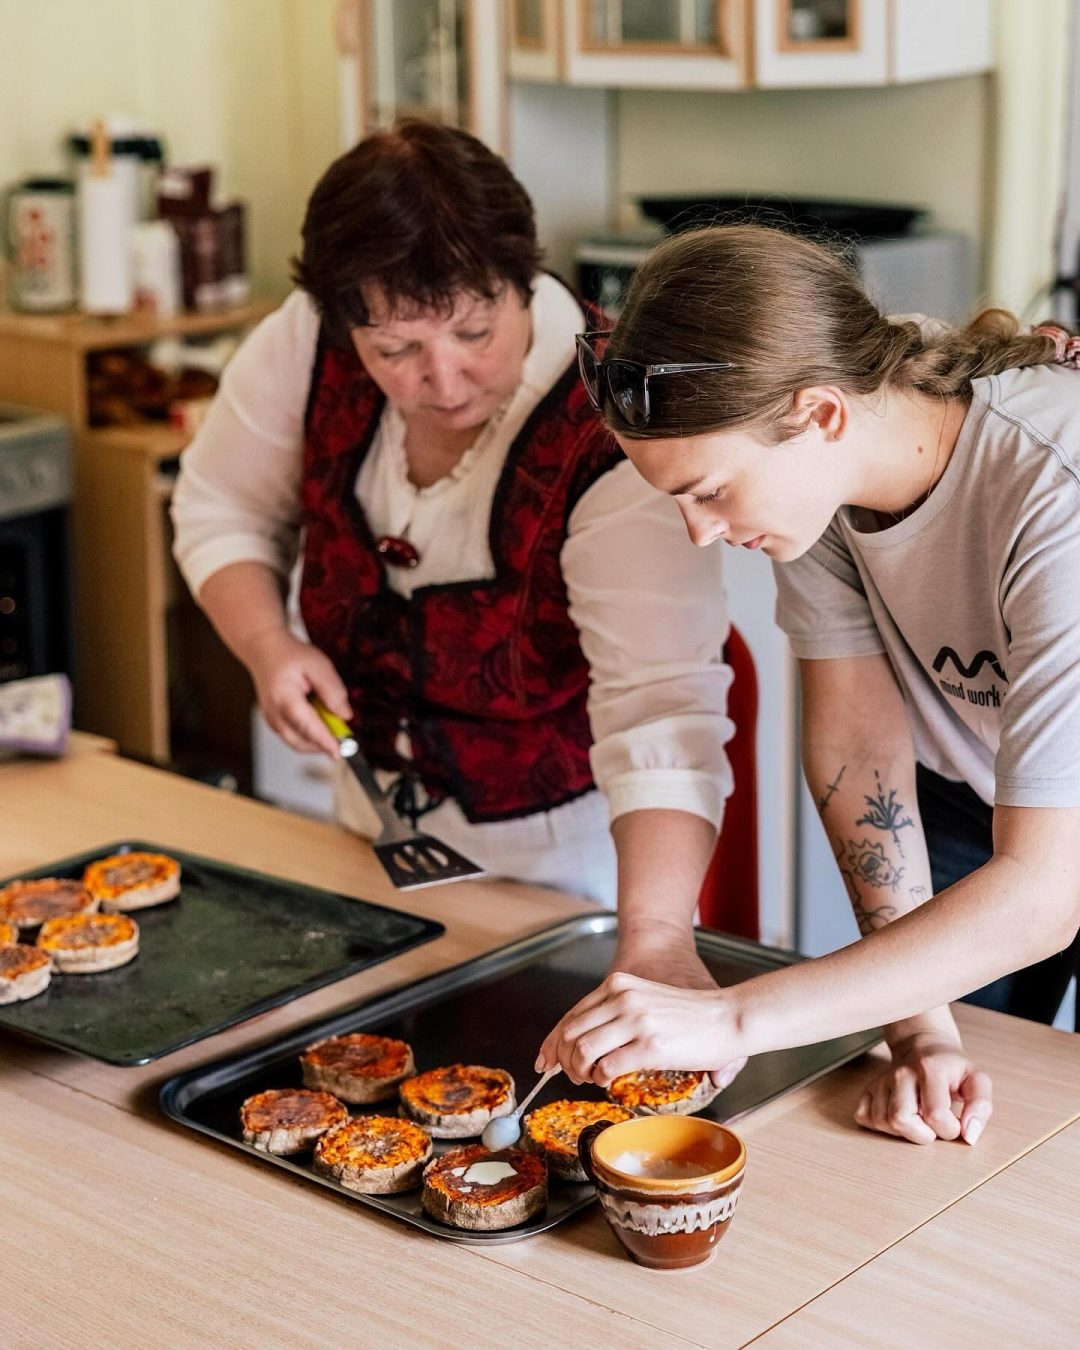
column 974, row 597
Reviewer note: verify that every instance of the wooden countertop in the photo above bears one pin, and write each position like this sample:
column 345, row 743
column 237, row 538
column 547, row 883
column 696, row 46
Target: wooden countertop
column 208, row 1246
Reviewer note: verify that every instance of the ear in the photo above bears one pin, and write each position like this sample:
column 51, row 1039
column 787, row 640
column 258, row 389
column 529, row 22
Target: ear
column 823, row 407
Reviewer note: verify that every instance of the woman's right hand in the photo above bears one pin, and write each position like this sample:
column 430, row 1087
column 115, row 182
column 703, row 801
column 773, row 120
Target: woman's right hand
column 286, row 670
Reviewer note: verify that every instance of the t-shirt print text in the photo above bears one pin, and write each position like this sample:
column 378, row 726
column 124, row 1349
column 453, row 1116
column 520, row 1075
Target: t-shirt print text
column 982, row 698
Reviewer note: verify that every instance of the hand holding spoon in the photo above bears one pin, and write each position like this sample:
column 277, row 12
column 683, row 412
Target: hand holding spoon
column 505, row 1131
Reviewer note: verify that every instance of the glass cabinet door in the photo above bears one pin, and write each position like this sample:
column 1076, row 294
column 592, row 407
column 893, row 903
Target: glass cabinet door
column 808, row 22
column 419, row 61
column 821, row 43
column 535, row 35
column 527, row 23
column 613, row 25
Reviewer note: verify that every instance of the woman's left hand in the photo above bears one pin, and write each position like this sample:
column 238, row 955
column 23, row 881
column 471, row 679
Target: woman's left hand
column 914, row 1097
column 629, row 1023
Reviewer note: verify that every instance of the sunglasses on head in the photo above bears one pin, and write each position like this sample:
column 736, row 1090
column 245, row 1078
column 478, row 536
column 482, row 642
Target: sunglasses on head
column 625, row 384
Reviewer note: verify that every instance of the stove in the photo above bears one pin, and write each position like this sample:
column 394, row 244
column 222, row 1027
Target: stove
column 35, row 577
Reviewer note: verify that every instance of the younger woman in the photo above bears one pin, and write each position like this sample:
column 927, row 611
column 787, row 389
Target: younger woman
column 918, row 488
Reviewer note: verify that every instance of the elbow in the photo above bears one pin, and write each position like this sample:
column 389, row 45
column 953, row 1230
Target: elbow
column 1059, row 929
column 1067, row 930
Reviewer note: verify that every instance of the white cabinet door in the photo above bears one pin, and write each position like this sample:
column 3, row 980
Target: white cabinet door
column 656, row 44
column 820, row 43
column 932, row 40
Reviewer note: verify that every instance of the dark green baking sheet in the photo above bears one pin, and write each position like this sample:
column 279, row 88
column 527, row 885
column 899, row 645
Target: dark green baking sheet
column 233, row 944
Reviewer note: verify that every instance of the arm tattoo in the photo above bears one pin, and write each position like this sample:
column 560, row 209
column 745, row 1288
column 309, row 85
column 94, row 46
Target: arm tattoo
column 885, row 813
column 871, row 919
column 866, row 862
column 824, row 800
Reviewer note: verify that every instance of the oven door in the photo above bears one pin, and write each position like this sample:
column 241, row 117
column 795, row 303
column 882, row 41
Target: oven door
column 35, row 600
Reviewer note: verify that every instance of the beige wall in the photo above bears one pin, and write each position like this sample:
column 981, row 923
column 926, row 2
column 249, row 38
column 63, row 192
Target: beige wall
column 922, row 144
column 1029, row 138
column 249, row 85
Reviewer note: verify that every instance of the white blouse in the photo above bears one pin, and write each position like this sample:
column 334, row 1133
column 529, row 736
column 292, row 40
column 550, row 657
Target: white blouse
column 649, row 605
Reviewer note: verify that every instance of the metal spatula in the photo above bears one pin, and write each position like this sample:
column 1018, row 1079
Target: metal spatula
column 409, row 858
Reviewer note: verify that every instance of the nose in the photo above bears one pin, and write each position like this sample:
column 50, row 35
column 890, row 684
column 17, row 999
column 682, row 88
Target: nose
column 701, row 527
column 445, row 379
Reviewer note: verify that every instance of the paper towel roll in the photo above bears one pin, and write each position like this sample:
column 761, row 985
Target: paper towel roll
column 105, row 279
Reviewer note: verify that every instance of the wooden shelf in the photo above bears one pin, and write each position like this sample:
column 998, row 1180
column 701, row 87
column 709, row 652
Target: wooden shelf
column 154, row 441
column 137, row 633
column 87, row 333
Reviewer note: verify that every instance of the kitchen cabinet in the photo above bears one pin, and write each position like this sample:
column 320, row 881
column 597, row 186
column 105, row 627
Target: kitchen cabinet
column 440, row 60
column 534, row 40
column 821, row 42
column 831, row 43
column 736, row 44
column 684, row 44
column 149, row 671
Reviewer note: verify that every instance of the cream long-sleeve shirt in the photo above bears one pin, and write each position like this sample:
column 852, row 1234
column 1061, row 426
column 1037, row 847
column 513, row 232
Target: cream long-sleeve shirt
column 649, row 606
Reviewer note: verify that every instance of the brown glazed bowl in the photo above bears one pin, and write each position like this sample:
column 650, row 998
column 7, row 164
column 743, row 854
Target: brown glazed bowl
column 668, row 1185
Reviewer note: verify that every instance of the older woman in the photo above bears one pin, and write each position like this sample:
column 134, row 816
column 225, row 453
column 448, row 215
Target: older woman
column 515, row 622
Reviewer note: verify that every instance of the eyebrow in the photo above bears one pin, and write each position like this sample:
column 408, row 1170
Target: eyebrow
column 688, row 487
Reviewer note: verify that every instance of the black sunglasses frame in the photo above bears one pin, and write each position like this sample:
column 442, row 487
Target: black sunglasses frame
column 630, row 401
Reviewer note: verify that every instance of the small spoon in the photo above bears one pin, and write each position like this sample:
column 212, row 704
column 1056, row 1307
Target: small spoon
column 505, row 1131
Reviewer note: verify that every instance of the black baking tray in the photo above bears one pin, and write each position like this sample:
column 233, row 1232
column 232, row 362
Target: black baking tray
column 235, row 943
column 494, row 1011
column 814, row 215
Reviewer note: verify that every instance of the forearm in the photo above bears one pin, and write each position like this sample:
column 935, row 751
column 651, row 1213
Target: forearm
column 244, row 602
column 663, row 856
column 1008, row 914
column 866, row 796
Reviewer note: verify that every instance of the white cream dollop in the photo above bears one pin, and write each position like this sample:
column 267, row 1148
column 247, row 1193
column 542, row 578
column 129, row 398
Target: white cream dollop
column 488, row 1173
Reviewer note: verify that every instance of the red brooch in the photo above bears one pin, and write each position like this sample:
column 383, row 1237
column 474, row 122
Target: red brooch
column 397, row 552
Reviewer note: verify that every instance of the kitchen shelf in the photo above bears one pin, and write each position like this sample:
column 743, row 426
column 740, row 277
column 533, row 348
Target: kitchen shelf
column 84, row 332
column 148, row 667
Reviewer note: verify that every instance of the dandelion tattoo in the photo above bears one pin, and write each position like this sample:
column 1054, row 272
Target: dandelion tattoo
column 885, row 813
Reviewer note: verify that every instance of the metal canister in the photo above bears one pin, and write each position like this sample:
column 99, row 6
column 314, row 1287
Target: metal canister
column 39, row 228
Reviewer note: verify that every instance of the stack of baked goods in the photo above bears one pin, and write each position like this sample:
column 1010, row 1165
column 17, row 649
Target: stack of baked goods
column 467, row 1186
column 386, row 1154
column 78, row 926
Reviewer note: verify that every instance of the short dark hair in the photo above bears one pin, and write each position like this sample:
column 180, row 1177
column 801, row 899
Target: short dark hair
column 424, row 212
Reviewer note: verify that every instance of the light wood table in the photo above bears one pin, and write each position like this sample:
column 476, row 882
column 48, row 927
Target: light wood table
column 212, row 1247
column 997, row 1268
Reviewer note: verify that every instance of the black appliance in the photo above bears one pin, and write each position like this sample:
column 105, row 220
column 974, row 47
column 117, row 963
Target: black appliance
column 907, row 266
column 35, row 574
column 814, row 215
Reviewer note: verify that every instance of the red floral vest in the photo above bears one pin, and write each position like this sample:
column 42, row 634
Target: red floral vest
column 487, row 677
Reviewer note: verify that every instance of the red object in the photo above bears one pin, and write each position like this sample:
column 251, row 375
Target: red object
column 486, row 677
column 729, row 894
column 397, row 552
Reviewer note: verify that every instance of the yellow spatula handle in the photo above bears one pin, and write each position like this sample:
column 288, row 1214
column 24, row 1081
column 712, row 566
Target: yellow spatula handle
column 337, row 726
